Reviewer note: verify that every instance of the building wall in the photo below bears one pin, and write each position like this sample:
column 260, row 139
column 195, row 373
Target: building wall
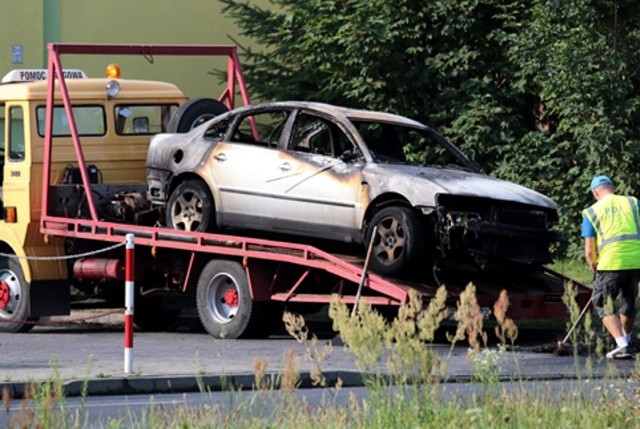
column 34, row 23
column 21, row 23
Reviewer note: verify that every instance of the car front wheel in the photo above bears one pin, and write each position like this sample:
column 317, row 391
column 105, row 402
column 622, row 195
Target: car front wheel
column 399, row 242
column 190, row 207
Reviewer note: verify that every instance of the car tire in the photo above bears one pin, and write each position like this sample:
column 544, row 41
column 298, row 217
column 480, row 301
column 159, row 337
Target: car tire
column 14, row 298
column 399, row 243
column 224, row 303
column 190, row 207
column 195, row 112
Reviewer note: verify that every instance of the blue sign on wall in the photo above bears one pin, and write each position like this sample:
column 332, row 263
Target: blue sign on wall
column 16, row 54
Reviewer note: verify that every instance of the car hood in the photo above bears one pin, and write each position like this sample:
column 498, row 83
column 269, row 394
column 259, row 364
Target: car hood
column 422, row 184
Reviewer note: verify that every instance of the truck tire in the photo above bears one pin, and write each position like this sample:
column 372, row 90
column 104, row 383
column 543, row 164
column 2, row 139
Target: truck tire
column 400, row 240
column 224, row 302
column 190, row 207
column 194, row 112
column 14, row 298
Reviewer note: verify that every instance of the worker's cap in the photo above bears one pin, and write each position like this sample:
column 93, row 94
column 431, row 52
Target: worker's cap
column 599, row 181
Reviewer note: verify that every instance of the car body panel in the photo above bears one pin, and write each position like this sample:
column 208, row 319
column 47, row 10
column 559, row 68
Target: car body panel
column 292, row 191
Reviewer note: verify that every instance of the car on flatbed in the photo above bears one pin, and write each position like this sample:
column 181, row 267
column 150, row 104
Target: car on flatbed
column 317, row 170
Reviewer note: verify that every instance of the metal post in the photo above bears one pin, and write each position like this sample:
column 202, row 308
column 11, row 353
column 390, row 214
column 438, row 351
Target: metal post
column 128, row 305
column 364, row 271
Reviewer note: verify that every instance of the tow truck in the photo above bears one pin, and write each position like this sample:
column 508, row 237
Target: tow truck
column 74, row 185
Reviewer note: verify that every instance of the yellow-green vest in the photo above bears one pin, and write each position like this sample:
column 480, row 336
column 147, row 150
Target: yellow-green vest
column 615, row 219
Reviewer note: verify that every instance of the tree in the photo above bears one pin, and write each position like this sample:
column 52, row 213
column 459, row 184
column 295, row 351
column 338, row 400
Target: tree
column 544, row 93
column 578, row 60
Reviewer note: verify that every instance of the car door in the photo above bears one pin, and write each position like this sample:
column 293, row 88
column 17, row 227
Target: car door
column 320, row 192
column 244, row 165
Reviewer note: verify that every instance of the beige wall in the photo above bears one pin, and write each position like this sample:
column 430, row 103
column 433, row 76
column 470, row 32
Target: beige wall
column 33, row 23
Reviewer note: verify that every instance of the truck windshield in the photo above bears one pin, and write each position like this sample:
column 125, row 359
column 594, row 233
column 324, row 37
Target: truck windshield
column 90, row 121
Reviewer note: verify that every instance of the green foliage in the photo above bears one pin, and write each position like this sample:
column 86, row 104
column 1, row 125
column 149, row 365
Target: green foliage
column 576, row 269
column 543, row 93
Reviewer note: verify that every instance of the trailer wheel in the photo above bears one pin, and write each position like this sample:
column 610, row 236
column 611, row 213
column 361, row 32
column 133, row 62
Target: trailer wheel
column 224, row 301
column 195, row 112
column 14, row 298
column 190, row 207
column 399, row 240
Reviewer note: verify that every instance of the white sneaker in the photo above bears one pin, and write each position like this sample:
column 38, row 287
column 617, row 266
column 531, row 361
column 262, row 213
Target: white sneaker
column 619, row 353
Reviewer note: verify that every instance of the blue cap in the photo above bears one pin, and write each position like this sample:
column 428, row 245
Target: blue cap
column 599, row 181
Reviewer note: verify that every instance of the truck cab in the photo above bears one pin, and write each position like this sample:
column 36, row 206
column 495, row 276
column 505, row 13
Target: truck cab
column 115, row 118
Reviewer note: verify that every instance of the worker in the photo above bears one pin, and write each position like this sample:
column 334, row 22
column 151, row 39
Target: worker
column 611, row 232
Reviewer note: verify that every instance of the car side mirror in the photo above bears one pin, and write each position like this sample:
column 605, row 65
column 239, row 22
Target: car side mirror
column 349, row 155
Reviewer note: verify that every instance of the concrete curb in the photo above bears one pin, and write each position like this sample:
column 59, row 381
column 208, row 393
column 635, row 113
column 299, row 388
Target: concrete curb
column 213, row 383
column 175, row 384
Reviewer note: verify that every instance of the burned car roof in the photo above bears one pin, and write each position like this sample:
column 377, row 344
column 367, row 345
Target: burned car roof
column 337, row 111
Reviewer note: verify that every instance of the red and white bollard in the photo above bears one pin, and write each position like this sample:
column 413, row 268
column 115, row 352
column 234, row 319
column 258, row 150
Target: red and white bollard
column 128, row 305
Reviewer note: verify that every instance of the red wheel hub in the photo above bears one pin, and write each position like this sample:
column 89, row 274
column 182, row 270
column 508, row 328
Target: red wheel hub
column 231, row 298
column 5, row 295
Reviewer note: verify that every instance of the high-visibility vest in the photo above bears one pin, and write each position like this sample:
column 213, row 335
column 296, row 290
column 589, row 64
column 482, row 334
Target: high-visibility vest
column 615, row 219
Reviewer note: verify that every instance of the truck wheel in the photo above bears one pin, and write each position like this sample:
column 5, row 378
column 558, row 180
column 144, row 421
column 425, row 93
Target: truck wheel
column 194, row 112
column 399, row 240
column 190, row 207
column 14, row 298
column 224, row 301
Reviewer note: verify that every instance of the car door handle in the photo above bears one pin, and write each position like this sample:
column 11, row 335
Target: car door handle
column 220, row 156
column 285, row 166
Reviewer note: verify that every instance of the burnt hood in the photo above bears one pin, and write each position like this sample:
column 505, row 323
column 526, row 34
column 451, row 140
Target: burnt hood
column 421, row 185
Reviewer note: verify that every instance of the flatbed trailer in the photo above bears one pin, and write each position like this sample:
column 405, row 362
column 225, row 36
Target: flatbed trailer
column 238, row 283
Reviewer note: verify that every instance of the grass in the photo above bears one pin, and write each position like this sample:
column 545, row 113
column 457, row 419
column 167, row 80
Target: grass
column 409, row 394
column 575, row 269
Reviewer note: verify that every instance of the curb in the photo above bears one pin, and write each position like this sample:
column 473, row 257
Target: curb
column 236, row 382
column 175, row 384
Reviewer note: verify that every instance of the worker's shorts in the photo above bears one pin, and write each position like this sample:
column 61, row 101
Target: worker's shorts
column 623, row 283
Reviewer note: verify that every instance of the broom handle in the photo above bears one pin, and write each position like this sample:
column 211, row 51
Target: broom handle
column 584, row 310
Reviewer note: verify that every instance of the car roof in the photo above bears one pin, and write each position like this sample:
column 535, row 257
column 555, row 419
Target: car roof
column 343, row 112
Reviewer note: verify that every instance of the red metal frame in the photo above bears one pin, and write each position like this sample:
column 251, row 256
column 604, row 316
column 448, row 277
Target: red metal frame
column 226, row 245
column 54, row 70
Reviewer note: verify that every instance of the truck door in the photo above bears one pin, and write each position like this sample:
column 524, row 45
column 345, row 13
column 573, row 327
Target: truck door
column 15, row 181
column 2, row 147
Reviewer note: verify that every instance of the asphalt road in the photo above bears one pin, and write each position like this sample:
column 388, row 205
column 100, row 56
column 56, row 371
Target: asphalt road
column 82, row 348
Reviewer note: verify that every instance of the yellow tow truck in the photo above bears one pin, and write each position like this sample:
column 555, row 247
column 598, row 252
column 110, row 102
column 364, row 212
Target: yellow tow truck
column 115, row 129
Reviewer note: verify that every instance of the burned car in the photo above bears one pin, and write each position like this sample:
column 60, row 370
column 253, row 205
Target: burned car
column 317, row 170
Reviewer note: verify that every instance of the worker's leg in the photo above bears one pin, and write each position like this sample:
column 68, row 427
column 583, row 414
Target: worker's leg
column 628, row 295
column 605, row 289
column 627, row 323
column 614, row 325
